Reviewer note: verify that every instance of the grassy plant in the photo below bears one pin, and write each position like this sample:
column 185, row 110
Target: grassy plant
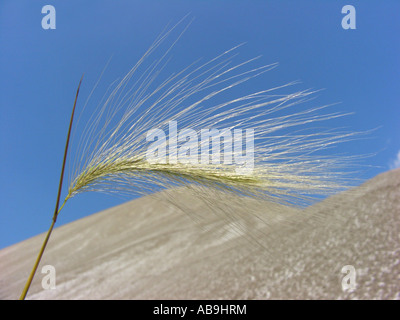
column 290, row 162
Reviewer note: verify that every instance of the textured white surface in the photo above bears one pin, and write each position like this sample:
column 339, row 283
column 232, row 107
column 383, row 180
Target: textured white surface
column 146, row 249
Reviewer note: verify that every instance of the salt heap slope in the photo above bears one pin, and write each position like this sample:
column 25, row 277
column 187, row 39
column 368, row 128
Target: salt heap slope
column 147, row 249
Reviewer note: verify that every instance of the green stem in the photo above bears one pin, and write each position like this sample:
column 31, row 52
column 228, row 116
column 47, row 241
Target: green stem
column 39, row 257
column 57, row 209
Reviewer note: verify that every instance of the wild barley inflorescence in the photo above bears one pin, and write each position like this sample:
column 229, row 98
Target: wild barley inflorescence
column 288, row 161
column 286, row 164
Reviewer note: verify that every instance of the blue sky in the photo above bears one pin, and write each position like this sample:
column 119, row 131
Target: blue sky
column 40, row 70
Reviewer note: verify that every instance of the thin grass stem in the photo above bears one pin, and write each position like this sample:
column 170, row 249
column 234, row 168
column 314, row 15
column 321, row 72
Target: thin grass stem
column 57, row 208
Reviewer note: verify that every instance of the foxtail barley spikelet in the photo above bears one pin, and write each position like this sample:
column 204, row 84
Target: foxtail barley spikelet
column 286, row 164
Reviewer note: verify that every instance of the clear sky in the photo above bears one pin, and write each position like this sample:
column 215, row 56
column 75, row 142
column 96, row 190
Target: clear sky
column 40, row 70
